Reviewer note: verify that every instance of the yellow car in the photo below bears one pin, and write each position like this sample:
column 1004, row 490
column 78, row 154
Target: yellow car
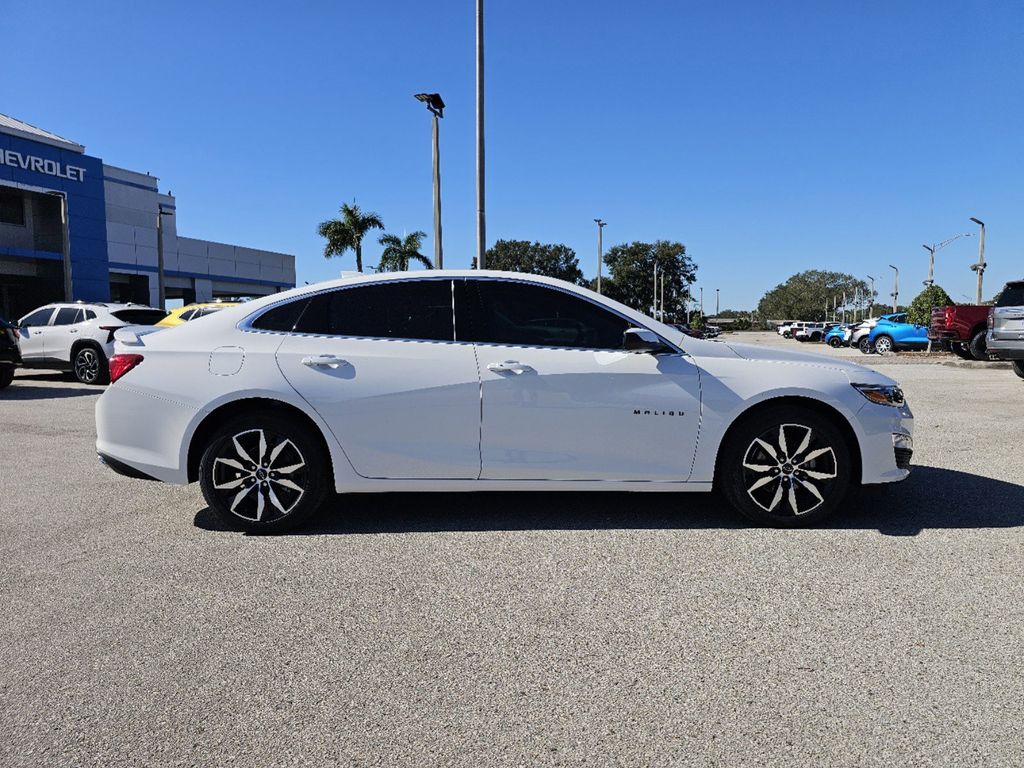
column 192, row 311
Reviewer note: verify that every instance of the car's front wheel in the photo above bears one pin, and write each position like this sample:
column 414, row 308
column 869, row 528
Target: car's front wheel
column 884, row 345
column 864, row 345
column 1018, row 368
column 785, row 467
column 835, row 342
column 6, row 375
column 89, row 365
column 265, row 474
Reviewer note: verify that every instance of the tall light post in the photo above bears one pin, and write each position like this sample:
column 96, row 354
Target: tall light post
column 980, row 266
column 435, row 106
column 600, row 249
column 481, row 217
column 717, row 307
column 161, row 287
column 702, row 303
column 895, row 287
column 935, row 248
column 871, row 298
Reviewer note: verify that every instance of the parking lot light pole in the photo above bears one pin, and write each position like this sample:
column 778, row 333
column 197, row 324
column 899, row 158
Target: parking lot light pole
column 600, row 249
column 435, row 106
column 980, row 266
column 895, row 287
column 481, row 216
column 717, row 307
column 871, row 298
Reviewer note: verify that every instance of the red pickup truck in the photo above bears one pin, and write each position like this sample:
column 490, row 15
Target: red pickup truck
column 961, row 329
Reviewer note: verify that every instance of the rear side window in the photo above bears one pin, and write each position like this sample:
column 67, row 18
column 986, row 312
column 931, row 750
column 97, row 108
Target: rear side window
column 90, row 315
column 282, row 318
column 67, row 316
column 140, row 316
column 522, row 314
column 420, row 310
column 1012, row 296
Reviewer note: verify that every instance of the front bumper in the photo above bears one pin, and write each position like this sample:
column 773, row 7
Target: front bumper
column 884, row 457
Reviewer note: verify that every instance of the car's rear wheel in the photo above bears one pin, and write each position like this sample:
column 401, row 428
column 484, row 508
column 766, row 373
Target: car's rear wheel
column 785, row 467
column 864, row 345
column 979, row 346
column 1018, row 368
column 89, row 365
column 265, row 474
column 835, row 342
column 6, row 375
column 884, row 345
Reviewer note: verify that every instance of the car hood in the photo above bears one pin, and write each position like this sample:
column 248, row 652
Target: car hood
column 855, row 371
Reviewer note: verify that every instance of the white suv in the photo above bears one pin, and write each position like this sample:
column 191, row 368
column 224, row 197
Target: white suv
column 78, row 337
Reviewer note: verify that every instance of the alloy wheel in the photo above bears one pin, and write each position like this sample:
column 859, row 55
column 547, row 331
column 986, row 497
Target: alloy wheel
column 87, row 366
column 260, row 476
column 883, row 345
column 789, row 470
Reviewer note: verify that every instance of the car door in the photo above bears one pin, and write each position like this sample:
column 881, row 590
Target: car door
column 562, row 399
column 32, row 333
column 381, row 365
column 62, row 333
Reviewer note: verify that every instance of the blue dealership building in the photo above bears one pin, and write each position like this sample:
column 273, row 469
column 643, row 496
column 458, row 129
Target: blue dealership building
column 74, row 228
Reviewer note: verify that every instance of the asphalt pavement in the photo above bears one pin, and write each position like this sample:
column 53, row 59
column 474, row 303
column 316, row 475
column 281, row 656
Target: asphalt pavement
column 515, row 629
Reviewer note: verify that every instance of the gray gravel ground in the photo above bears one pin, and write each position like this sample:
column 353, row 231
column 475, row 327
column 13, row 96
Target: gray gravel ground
column 536, row 629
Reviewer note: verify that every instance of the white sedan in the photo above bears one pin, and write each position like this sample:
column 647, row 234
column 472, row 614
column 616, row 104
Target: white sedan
column 476, row 380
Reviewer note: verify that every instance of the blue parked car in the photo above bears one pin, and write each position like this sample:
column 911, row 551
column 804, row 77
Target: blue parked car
column 837, row 336
column 889, row 336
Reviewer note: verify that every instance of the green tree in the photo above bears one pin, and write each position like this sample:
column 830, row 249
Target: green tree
column 804, row 296
column 548, row 259
column 920, row 310
column 347, row 232
column 631, row 275
column 399, row 252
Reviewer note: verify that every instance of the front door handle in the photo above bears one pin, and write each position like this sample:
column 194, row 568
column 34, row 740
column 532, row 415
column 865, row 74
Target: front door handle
column 509, row 366
column 324, row 361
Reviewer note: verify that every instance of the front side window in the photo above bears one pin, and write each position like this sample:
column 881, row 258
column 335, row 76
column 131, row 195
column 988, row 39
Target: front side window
column 415, row 309
column 67, row 316
column 522, row 314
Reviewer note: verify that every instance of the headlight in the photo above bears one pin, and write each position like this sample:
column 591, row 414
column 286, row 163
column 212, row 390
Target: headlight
column 881, row 393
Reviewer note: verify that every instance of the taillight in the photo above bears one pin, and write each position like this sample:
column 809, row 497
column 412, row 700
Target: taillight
column 121, row 364
column 949, row 317
column 991, row 318
column 110, row 331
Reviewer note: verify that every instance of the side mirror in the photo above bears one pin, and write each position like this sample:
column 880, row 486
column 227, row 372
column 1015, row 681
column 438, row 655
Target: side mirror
column 642, row 340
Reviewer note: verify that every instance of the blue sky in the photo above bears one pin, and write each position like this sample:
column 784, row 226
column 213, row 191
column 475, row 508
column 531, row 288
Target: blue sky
column 768, row 137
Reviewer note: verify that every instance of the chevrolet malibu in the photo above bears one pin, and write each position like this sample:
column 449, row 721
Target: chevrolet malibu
column 476, row 380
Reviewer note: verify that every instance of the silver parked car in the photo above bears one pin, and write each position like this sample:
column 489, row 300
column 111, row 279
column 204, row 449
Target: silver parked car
column 1006, row 326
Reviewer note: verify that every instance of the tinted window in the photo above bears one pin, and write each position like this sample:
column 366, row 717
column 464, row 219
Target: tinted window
column 39, row 317
column 186, row 316
column 420, row 309
column 532, row 315
column 1012, row 296
column 90, row 315
column 67, row 316
column 282, row 318
column 140, row 316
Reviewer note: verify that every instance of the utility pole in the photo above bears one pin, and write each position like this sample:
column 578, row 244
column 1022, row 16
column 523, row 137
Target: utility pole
column 980, row 266
column 717, row 307
column 600, row 249
column 895, row 287
column 834, row 302
column 481, row 217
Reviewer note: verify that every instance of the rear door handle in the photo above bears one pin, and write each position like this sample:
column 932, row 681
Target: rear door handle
column 324, row 361
column 509, row 366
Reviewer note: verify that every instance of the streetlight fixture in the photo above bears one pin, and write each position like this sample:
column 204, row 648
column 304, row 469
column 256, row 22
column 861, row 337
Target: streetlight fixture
column 895, row 287
column 600, row 249
column 933, row 249
column 435, row 106
column 980, row 266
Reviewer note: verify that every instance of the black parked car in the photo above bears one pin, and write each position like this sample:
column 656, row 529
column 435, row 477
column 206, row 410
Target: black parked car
column 10, row 355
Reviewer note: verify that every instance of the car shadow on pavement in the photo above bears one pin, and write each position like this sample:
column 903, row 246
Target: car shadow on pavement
column 64, row 385
column 929, row 498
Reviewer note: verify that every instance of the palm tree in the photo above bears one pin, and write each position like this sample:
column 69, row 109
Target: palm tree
column 399, row 252
column 348, row 231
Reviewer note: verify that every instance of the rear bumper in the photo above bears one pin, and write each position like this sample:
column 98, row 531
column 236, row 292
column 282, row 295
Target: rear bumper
column 1005, row 349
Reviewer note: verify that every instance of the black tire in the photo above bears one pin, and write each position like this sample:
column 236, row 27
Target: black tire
column 962, row 350
column 979, row 346
column 89, row 365
column 6, row 376
column 786, row 334
column 835, row 342
column 282, row 500
column 767, row 489
column 815, row 336
column 1018, row 367
column 864, row 345
column 884, row 344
